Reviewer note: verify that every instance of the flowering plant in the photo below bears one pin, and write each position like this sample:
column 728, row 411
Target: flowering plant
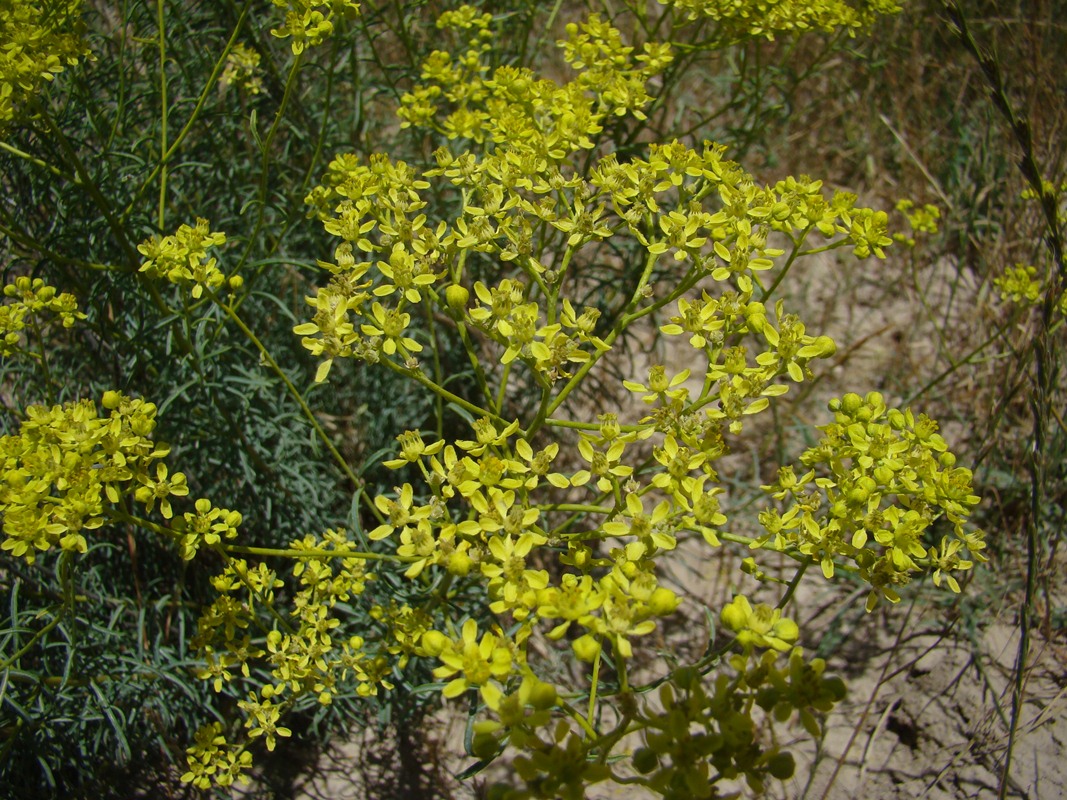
column 535, row 531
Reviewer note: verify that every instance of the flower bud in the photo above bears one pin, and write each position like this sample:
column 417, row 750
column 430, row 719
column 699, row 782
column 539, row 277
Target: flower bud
column 663, row 602
column 434, row 643
column 457, row 296
column 543, row 695
column 459, row 564
column 851, row 403
column 586, row 648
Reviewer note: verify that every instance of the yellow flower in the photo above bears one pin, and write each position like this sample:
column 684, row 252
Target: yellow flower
column 391, row 324
column 474, row 663
column 263, row 719
column 401, row 513
column 762, row 626
column 161, row 488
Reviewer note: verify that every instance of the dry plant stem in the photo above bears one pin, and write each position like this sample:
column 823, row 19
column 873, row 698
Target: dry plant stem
column 1045, row 363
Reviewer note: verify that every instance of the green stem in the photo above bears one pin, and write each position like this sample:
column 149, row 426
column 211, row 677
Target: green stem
column 438, row 373
column 476, row 364
column 582, row 508
column 282, row 552
column 418, row 377
column 621, row 325
column 90, row 186
column 792, row 587
column 40, row 163
column 769, row 291
column 593, row 687
column 293, row 391
column 170, row 151
column 264, row 164
column 160, row 22
column 30, row 644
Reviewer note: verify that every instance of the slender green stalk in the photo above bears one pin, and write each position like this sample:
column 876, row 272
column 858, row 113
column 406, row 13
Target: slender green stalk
column 265, row 147
column 293, row 391
column 163, row 114
column 289, row 552
column 593, row 685
column 74, row 179
column 210, row 84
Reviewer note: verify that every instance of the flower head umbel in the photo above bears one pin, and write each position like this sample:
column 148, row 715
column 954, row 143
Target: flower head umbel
column 182, row 258
column 242, row 67
column 38, row 39
column 310, row 22
column 32, row 303
column 68, row 465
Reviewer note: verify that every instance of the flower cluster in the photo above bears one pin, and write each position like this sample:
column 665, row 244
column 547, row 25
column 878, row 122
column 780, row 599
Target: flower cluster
column 921, row 219
column 309, row 23
column 761, row 626
column 1021, row 286
column 484, row 517
column 738, row 20
column 242, row 67
column 569, row 557
column 705, row 733
column 68, row 465
column 214, row 762
column 38, row 38
column 301, row 651
column 206, row 526
column 694, row 206
column 514, row 107
column 878, row 485
column 182, row 258
column 31, row 299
